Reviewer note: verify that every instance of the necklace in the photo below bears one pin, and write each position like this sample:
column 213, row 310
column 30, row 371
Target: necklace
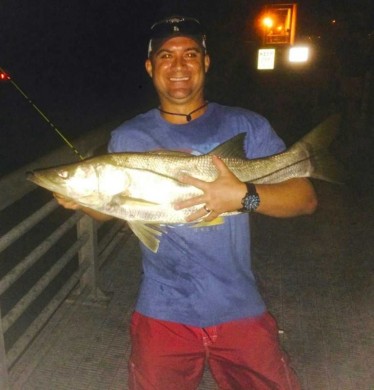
column 188, row 116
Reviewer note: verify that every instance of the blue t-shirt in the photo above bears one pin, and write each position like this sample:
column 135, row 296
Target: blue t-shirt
column 200, row 276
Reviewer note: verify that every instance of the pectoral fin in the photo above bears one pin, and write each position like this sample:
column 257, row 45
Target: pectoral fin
column 170, row 153
column 148, row 234
column 216, row 221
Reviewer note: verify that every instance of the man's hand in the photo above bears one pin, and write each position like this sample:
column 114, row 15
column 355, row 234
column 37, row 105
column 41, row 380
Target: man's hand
column 286, row 199
column 220, row 196
column 72, row 205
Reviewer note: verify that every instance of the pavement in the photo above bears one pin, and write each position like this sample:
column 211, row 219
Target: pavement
column 315, row 273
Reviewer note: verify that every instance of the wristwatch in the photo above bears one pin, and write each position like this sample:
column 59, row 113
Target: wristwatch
column 251, row 200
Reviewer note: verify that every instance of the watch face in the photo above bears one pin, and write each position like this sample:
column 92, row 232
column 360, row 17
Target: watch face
column 251, row 202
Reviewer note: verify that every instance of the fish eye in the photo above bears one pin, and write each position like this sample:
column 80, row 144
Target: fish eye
column 63, row 174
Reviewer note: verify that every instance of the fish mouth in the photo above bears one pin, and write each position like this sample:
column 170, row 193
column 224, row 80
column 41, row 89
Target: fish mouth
column 30, row 175
column 40, row 180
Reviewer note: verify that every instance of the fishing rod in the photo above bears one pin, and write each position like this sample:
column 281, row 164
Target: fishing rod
column 4, row 76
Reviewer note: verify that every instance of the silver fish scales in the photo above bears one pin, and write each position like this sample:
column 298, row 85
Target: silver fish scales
column 142, row 187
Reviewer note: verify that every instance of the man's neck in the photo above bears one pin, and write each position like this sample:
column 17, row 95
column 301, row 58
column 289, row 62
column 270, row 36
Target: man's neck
column 181, row 114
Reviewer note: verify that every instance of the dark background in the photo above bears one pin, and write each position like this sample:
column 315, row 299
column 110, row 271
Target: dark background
column 82, row 63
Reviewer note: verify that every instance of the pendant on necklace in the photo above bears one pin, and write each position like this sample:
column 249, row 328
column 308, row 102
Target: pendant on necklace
column 188, row 116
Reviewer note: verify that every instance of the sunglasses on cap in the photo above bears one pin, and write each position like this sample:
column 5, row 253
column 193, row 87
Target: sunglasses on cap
column 176, row 25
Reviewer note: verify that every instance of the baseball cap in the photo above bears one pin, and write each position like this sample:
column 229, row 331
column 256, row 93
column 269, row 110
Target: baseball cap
column 175, row 26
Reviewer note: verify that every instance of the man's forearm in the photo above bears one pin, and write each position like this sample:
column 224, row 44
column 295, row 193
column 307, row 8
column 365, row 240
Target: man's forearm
column 287, row 199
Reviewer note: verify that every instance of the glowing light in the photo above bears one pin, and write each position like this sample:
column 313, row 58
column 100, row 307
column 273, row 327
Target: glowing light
column 266, row 59
column 299, row 54
column 267, row 22
column 4, row 76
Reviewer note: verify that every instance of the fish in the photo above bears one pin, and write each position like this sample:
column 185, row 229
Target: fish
column 142, row 187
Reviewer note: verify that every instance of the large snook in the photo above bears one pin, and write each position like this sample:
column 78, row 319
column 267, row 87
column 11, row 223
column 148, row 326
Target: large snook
column 142, row 187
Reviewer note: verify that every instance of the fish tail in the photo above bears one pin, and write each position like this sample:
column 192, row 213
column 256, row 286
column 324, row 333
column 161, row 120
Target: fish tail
column 322, row 136
column 326, row 167
column 316, row 142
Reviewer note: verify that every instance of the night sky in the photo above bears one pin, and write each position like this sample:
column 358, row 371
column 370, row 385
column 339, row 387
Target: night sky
column 82, row 61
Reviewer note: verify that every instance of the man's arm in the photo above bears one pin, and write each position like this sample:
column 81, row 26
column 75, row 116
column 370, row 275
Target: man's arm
column 71, row 205
column 287, row 199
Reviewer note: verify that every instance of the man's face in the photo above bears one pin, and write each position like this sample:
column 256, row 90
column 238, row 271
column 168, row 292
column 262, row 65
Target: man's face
column 178, row 70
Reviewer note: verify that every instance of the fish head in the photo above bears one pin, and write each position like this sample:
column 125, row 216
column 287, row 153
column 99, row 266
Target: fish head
column 89, row 183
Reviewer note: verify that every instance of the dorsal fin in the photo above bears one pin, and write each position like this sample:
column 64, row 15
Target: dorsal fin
column 232, row 148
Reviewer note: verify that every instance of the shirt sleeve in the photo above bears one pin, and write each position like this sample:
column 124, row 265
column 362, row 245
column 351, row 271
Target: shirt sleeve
column 126, row 138
column 263, row 141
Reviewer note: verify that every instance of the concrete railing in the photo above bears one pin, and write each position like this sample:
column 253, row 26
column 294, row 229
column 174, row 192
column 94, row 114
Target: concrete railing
column 85, row 251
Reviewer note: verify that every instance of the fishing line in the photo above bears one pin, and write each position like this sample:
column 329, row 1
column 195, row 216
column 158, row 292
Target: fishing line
column 5, row 77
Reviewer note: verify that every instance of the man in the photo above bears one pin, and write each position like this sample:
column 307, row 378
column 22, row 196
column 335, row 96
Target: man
column 198, row 300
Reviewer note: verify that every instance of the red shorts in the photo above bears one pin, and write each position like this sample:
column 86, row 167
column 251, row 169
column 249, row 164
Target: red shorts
column 241, row 355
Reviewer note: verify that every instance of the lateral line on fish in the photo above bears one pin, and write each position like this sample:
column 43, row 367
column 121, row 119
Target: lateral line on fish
column 288, row 166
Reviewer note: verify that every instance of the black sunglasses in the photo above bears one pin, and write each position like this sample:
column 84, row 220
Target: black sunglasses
column 175, row 25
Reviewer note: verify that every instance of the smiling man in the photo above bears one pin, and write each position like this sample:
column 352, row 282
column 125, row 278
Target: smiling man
column 198, row 301
column 177, row 67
